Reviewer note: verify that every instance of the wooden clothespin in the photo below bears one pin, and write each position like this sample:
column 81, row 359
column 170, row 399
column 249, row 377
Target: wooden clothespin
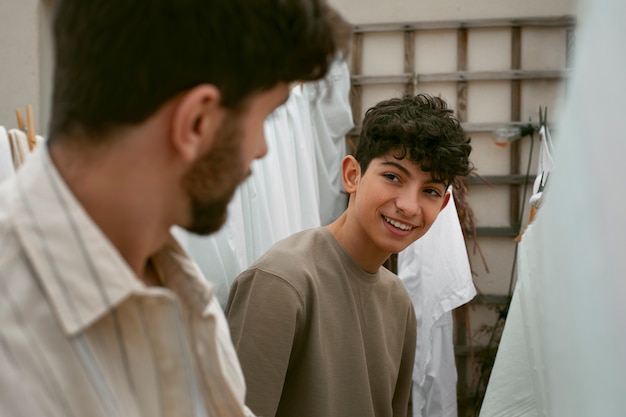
column 20, row 120
column 29, row 127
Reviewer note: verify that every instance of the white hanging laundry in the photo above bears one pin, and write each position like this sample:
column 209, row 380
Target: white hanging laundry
column 436, row 273
column 259, row 227
column 7, row 169
column 544, row 167
column 331, row 115
column 437, row 395
column 516, row 386
column 572, row 316
column 303, row 137
column 280, row 173
column 19, row 147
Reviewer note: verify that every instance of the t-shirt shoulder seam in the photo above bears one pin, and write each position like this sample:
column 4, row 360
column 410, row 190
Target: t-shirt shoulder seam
column 281, row 279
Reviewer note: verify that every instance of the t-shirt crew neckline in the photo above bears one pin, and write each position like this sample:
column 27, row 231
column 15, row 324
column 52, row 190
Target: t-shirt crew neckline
column 355, row 269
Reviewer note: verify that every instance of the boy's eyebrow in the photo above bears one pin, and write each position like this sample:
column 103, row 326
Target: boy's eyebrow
column 408, row 174
column 398, row 166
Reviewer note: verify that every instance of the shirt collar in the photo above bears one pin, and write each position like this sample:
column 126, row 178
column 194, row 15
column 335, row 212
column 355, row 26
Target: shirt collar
column 81, row 272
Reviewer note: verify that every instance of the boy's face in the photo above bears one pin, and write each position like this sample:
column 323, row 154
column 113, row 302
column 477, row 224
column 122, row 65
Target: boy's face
column 395, row 203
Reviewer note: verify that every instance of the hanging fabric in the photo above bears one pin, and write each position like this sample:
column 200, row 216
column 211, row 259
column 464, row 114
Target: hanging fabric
column 545, row 164
column 19, row 147
column 301, row 125
column 331, row 115
column 7, row 168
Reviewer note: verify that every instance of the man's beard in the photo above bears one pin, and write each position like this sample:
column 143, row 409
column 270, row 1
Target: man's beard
column 212, row 180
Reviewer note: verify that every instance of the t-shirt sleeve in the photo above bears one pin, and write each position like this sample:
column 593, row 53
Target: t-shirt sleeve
column 263, row 311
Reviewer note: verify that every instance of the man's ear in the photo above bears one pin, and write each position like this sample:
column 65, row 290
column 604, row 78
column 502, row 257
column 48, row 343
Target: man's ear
column 350, row 173
column 195, row 120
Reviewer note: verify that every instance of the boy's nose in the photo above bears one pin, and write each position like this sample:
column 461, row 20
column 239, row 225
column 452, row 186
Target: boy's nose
column 408, row 204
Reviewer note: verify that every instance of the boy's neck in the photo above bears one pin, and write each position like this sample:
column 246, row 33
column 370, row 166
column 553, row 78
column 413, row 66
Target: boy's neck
column 348, row 236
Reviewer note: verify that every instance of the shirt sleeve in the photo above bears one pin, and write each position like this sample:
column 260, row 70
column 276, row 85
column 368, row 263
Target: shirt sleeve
column 263, row 313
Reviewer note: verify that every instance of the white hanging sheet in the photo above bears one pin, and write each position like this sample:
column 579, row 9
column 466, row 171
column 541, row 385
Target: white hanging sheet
column 19, row 147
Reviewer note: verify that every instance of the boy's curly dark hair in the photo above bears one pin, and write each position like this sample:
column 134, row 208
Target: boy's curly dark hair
column 421, row 128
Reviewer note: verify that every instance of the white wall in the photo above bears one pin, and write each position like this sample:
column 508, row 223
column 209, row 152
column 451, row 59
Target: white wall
column 19, row 49
column 370, row 11
column 25, row 56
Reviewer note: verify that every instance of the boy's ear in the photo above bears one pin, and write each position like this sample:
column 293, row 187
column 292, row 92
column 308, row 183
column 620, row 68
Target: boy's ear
column 195, row 121
column 446, row 200
column 350, row 173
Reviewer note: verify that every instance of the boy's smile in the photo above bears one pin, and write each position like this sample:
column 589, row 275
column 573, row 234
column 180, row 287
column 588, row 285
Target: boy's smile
column 398, row 227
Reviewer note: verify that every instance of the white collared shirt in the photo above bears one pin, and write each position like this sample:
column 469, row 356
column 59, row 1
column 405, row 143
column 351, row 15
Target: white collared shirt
column 80, row 335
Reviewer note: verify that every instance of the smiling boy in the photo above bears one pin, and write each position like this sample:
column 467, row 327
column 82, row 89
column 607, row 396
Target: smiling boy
column 320, row 326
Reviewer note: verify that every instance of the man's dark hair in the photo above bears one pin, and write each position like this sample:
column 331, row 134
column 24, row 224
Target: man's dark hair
column 118, row 61
column 421, row 128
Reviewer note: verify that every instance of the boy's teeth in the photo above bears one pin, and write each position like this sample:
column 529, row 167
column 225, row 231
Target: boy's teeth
column 399, row 225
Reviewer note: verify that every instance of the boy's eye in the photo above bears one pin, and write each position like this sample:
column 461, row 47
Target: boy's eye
column 434, row 192
column 390, row 176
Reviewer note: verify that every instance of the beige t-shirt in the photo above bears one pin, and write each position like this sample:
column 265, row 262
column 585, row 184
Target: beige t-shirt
column 317, row 336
